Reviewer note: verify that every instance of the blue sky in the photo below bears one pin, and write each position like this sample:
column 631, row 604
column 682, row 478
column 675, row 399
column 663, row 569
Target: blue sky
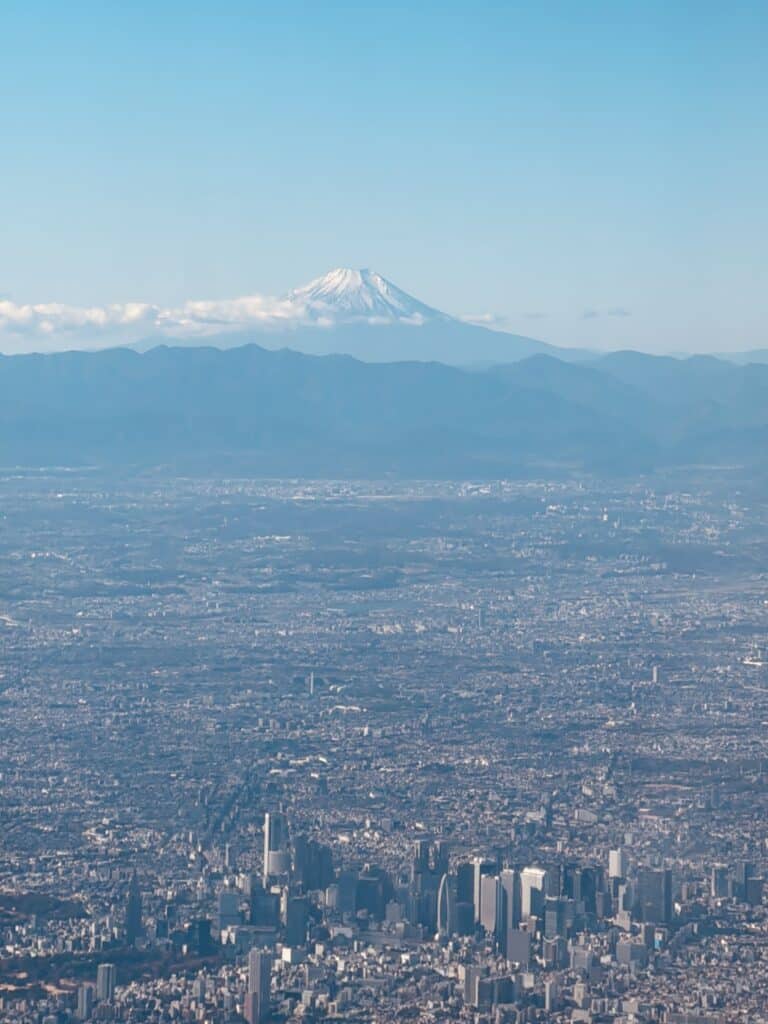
column 545, row 162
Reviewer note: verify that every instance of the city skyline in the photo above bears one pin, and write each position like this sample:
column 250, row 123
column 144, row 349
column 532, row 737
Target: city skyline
column 383, row 750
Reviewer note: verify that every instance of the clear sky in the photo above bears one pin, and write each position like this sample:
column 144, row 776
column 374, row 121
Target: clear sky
column 548, row 162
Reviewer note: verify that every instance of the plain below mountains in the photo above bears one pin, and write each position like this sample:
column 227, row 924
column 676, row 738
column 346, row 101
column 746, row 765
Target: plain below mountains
column 287, row 413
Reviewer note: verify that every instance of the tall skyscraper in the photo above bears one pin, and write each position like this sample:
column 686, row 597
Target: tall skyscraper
column 259, row 982
column 482, row 867
column 654, row 895
column 573, row 882
column 199, row 936
column 276, row 857
column 490, row 904
column 519, row 947
column 720, row 881
column 420, row 863
column 227, row 909
column 106, row 978
column 509, row 881
column 312, row 863
column 84, row 1002
column 442, row 856
column 295, row 919
column 532, row 882
column 551, row 996
column 555, row 917
column 617, row 863
column 465, row 881
column 464, row 922
column 744, row 871
column 133, row 923
column 472, row 977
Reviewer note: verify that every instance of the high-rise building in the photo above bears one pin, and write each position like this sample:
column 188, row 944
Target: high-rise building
column 276, row 857
column 372, row 891
column 519, row 947
column 654, row 895
column 572, row 882
column 490, row 904
column 592, row 882
column 200, row 987
column 493, row 990
column 465, row 881
column 510, row 884
column 473, row 974
column 553, row 881
column 227, row 909
column 312, row 863
column 510, row 896
column 532, row 882
column 420, row 863
column 133, row 923
column 442, row 855
column 482, row 867
column 265, row 906
column 754, row 891
column 744, row 871
column 617, row 863
column 465, row 905
column 429, row 865
column 551, row 996
column 346, row 898
column 720, row 882
column 300, row 851
column 85, row 996
column 295, row 920
column 259, row 982
column 555, row 952
column 199, row 939
column 555, row 917
column 106, row 978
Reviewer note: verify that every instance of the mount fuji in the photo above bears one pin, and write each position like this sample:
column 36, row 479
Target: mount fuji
column 345, row 295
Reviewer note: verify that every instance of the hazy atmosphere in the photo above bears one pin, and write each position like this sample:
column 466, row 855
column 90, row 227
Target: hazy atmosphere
column 383, row 513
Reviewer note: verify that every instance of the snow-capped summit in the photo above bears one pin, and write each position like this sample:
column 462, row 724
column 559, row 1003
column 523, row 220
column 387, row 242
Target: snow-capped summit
column 344, row 295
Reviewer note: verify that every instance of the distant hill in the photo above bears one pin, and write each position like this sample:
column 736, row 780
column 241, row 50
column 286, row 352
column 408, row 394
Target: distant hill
column 283, row 412
column 448, row 341
column 755, row 355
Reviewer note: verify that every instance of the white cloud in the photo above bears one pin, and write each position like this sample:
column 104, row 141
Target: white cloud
column 55, row 316
column 593, row 314
column 51, row 325
column 496, row 321
column 210, row 317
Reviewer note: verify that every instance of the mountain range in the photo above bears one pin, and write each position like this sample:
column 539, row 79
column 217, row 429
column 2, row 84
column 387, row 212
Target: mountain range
column 254, row 410
column 351, row 312
column 362, row 314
